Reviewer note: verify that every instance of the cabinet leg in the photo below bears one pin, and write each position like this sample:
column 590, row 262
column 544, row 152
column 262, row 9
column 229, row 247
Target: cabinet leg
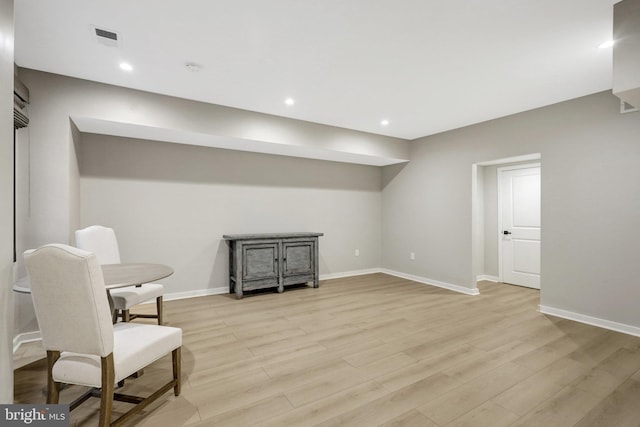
column 280, row 289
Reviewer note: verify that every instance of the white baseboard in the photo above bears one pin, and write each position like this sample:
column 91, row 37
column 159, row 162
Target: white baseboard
column 488, row 278
column 225, row 289
column 193, row 294
column 432, row 282
column 349, row 273
column 593, row 321
column 24, row 338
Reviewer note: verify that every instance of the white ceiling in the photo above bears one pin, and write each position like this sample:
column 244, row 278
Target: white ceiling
column 426, row 66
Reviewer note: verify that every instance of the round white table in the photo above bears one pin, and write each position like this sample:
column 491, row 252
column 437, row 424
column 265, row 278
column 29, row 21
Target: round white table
column 117, row 276
column 121, row 275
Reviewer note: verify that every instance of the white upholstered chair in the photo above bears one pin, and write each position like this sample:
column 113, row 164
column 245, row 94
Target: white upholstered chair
column 83, row 346
column 102, row 242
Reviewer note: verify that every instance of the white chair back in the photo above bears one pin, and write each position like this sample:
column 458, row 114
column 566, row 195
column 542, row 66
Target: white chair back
column 70, row 300
column 101, row 241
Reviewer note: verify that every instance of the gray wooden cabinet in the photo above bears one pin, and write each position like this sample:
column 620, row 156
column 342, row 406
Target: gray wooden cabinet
column 271, row 260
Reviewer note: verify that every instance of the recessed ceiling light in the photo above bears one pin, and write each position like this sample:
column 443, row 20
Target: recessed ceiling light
column 384, row 122
column 125, row 66
column 193, row 67
column 289, row 101
column 606, row 44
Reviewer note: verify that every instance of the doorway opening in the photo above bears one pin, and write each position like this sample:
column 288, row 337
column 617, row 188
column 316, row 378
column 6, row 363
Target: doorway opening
column 488, row 237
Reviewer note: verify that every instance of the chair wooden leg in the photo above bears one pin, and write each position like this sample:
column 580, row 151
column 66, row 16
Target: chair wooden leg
column 126, row 316
column 106, row 395
column 160, row 310
column 53, row 388
column 177, row 369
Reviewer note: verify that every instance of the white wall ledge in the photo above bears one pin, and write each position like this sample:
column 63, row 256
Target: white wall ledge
column 179, row 136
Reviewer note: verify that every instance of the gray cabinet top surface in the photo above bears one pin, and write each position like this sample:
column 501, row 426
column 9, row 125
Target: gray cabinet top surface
column 269, row 236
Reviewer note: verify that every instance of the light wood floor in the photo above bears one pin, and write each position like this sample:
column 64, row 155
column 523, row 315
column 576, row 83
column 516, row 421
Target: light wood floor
column 378, row 350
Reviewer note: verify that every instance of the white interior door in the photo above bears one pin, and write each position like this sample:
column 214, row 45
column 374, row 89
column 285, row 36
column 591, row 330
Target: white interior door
column 519, row 200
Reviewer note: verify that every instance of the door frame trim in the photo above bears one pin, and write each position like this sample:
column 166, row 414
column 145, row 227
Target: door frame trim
column 499, row 194
column 477, row 256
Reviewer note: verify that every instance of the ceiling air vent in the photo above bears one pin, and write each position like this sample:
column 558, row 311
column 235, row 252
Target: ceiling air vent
column 107, row 37
column 20, row 101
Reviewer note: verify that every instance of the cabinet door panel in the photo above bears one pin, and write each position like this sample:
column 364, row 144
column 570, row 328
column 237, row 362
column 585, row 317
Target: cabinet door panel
column 299, row 259
column 260, row 261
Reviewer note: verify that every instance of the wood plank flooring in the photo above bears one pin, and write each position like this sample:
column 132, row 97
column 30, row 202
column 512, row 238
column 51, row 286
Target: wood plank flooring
column 378, row 350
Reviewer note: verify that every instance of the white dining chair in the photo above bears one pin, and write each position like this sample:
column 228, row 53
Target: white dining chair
column 102, row 242
column 83, row 346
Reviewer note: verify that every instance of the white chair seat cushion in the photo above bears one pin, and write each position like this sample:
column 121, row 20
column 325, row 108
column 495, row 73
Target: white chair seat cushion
column 135, row 346
column 127, row 297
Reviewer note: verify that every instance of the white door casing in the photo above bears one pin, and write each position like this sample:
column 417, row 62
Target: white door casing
column 519, row 224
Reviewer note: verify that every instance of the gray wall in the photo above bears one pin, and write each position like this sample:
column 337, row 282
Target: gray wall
column 55, row 189
column 54, row 99
column 6, row 195
column 590, row 230
column 171, row 203
column 590, row 203
column 490, row 221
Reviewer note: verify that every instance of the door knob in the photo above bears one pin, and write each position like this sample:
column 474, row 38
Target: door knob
column 506, row 232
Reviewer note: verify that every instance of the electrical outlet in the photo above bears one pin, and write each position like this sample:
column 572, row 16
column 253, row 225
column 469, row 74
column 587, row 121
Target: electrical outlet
column 412, row 256
column 357, row 253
